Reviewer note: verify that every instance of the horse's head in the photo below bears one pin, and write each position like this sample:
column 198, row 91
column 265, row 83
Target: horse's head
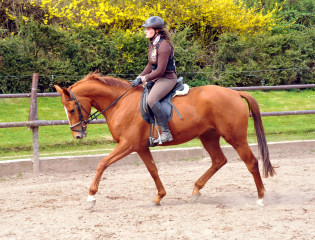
column 77, row 109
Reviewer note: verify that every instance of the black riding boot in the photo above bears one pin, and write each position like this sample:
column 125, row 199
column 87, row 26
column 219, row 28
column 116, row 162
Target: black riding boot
column 161, row 118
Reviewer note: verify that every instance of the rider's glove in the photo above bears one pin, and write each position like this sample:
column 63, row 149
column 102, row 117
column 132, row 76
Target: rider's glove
column 136, row 82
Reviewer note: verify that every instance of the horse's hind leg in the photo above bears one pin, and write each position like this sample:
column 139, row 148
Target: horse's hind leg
column 211, row 142
column 251, row 162
column 147, row 158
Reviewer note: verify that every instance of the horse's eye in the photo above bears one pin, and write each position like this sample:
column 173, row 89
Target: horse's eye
column 72, row 111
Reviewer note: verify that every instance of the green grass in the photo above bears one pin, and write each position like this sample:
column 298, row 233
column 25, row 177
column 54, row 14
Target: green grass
column 57, row 140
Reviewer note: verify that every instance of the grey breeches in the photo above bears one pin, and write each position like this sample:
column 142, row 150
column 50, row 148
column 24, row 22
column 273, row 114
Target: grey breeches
column 161, row 87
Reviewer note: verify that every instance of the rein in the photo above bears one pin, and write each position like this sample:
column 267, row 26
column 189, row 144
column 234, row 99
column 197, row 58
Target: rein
column 93, row 116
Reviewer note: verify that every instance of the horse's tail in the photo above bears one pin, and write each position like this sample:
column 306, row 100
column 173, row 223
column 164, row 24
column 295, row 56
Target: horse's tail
column 260, row 133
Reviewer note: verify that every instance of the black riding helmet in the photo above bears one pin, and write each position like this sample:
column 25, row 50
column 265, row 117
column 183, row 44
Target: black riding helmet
column 154, row 22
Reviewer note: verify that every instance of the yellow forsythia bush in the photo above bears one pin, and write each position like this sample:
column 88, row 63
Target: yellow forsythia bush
column 222, row 15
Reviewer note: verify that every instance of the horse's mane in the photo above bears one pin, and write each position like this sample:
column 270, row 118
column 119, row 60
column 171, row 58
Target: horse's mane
column 107, row 80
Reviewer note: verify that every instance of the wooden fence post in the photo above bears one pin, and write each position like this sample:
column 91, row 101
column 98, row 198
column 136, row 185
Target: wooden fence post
column 33, row 116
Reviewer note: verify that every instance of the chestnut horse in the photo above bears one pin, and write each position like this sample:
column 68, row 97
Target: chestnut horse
column 208, row 112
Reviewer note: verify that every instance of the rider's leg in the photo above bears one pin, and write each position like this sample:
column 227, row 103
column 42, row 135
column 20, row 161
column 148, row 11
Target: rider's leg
column 161, row 118
column 161, row 87
column 159, row 90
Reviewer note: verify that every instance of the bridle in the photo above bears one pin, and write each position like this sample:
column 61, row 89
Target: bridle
column 93, row 116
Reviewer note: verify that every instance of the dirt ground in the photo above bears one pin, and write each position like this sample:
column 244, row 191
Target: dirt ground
column 53, row 206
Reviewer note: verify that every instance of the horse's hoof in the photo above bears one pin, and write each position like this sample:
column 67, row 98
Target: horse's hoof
column 91, row 199
column 195, row 197
column 260, row 202
column 92, row 204
column 156, row 204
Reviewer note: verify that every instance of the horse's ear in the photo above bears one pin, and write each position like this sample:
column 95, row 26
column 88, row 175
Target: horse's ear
column 58, row 89
column 62, row 91
column 66, row 92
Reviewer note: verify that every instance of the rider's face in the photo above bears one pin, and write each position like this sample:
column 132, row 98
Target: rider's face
column 149, row 32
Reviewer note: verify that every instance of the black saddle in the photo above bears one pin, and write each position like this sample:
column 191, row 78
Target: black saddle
column 166, row 102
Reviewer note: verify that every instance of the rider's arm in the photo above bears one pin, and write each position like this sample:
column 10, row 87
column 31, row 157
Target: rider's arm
column 147, row 70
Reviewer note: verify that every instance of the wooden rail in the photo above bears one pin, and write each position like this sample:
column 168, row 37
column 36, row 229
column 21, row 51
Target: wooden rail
column 39, row 123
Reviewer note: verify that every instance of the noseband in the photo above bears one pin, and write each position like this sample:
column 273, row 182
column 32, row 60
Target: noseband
column 93, row 116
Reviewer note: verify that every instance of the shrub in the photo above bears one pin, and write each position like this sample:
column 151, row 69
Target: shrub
column 14, row 12
column 265, row 59
column 132, row 53
column 218, row 15
column 290, row 15
column 64, row 56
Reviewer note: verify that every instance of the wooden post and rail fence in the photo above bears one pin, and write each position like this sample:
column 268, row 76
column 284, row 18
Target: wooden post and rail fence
column 34, row 124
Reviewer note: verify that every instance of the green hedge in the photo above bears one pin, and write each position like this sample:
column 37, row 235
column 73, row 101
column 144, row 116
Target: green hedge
column 62, row 57
column 265, row 60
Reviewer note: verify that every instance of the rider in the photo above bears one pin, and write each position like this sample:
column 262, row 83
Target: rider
column 160, row 69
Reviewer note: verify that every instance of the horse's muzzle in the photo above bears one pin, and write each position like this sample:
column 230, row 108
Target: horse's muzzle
column 80, row 135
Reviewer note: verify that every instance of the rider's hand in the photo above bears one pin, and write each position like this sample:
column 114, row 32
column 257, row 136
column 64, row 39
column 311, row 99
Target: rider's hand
column 136, row 82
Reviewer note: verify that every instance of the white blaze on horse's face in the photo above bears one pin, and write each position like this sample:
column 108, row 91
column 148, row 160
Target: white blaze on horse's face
column 67, row 114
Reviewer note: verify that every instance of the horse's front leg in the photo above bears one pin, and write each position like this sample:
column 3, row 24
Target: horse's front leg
column 147, row 158
column 118, row 153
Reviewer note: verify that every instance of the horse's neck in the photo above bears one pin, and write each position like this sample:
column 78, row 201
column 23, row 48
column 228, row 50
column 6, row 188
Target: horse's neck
column 102, row 96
